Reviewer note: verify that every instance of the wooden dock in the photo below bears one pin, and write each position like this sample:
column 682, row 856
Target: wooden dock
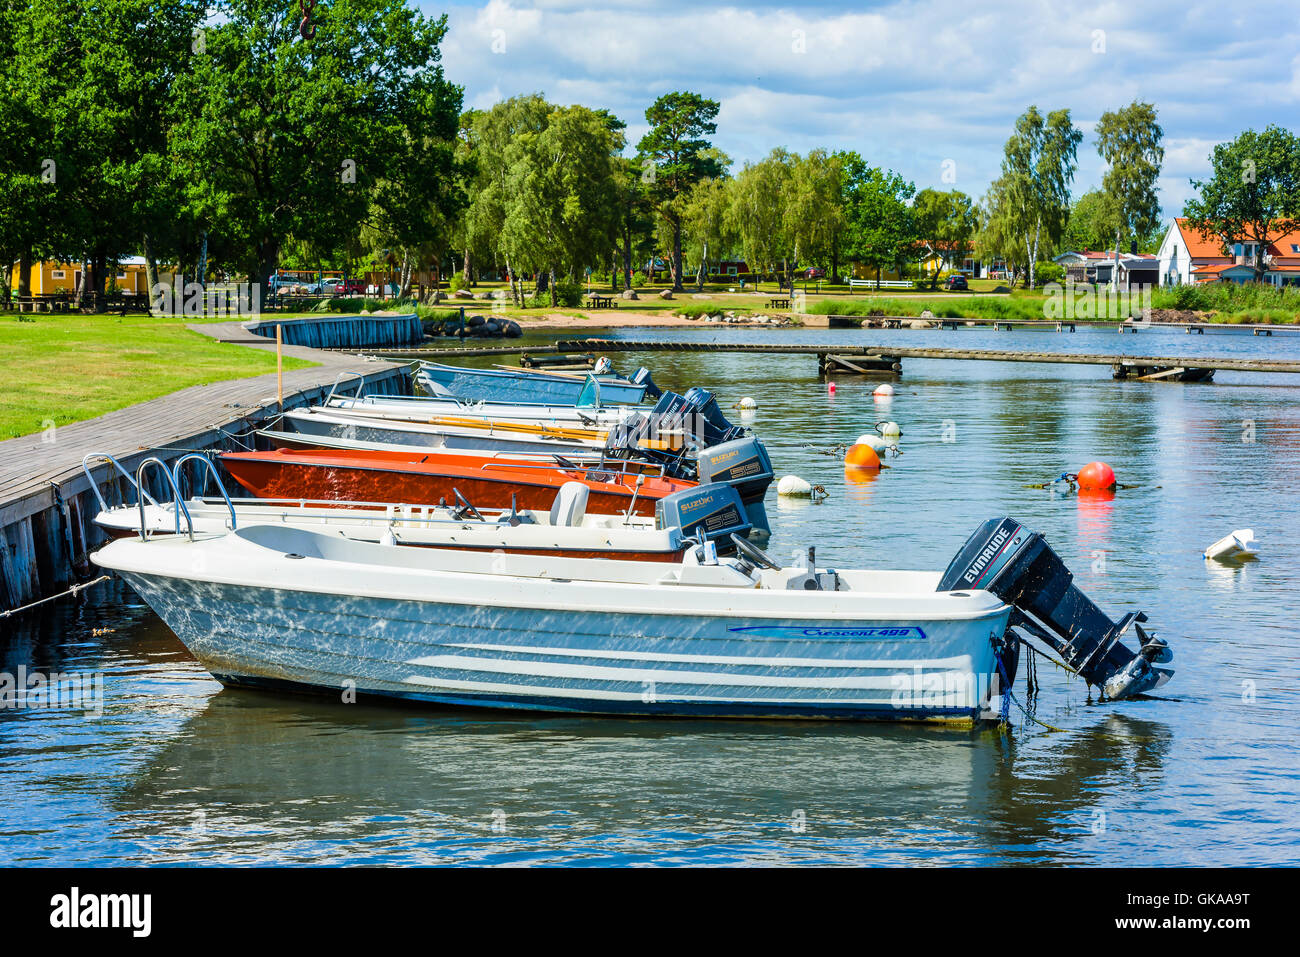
column 875, row 351
column 46, row 506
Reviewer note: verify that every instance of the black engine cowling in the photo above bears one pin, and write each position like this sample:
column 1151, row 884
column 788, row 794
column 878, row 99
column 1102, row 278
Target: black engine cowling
column 1018, row 566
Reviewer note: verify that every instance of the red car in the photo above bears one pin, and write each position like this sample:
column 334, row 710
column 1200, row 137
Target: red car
column 812, row 272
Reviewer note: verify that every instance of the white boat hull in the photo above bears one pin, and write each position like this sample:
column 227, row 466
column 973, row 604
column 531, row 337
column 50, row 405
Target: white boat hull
column 605, row 647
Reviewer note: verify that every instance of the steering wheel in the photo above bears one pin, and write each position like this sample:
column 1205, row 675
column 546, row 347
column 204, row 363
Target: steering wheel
column 753, row 553
column 467, row 507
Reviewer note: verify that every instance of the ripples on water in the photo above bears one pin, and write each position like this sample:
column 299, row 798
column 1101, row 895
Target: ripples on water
column 177, row 771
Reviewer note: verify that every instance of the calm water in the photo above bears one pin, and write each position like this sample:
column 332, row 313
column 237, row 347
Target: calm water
column 176, row 770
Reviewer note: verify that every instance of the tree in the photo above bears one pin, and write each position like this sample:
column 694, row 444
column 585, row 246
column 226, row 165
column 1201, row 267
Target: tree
column 704, row 224
column 1128, row 140
column 1037, row 170
column 562, row 205
column 1253, row 193
column 756, row 210
column 882, row 228
column 283, row 136
column 815, row 210
column 1092, row 222
column 676, row 149
column 946, row 222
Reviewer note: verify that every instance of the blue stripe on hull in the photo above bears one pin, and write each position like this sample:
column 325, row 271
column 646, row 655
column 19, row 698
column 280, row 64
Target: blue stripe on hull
column 598, row 707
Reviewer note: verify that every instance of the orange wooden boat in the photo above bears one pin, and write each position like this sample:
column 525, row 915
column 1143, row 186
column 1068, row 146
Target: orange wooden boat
column 425, row 478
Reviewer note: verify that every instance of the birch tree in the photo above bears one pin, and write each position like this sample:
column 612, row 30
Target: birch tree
column 1128, row 139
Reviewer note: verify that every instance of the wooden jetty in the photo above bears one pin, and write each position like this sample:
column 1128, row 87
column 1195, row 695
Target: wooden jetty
column 1123, row 366
column 46, row 507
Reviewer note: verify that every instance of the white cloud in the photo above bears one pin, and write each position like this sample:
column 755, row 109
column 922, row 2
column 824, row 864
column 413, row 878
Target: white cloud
column 907, row 83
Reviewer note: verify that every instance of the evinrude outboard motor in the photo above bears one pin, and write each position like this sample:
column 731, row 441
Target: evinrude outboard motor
column 1018, row 566
column 642, row 377
column 744, row 464
column 707, row 513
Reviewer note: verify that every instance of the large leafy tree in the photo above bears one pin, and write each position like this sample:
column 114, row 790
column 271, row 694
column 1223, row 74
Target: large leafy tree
column 1034, row 188
column 758, row 199
column 946, row 221
column 882, row 228
column 816, row 209
column 1092, row 222
column 704, row 224
column 562, row 200
column 1253, row 193
column 285, row 136
column 1128, row 139
column 677, row 154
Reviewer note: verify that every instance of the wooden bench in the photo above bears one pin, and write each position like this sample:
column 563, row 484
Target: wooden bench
column 601, row 302
column 778, row 303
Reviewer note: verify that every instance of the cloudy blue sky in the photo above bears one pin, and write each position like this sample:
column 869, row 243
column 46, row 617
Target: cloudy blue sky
column 910, row 84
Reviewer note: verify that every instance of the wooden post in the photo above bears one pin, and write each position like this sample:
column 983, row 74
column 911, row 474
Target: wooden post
column 279, row 366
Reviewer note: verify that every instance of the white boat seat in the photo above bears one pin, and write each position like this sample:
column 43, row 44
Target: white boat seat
column 570, row 505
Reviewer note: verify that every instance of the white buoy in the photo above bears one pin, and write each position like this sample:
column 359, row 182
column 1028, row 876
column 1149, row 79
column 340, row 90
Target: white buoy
column 888, row 429
column 883, row 390
column 1234, row 546
column 747, row 404
column 793, row 486
column 875, row 441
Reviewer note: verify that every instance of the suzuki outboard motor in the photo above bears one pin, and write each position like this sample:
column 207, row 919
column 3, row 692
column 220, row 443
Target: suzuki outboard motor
column 707, row 512
column 642, row 377
column 624, row 443
column 1018, row 566
column 744, row 464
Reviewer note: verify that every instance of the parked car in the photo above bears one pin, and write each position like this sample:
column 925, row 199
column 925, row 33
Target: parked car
column 955, row 281
column 812, row 272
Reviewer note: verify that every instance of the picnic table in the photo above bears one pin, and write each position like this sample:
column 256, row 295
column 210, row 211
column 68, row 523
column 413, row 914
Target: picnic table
column 778, row 303
column 601, row 302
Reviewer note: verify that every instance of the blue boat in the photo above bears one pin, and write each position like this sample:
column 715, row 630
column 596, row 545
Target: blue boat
column 529, row 387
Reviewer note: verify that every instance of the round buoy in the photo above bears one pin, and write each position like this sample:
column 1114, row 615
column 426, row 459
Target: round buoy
column 747, row 404
column 889, row 429
column 875, row 441
column 793, row 486
column 861, row 456
column 883, row 390
column 830, row 387
column 1096, row 475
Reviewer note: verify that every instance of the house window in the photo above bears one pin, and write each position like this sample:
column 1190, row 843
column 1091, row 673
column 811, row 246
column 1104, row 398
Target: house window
column 121, row 275
column 1295, row 247
column 58, row 274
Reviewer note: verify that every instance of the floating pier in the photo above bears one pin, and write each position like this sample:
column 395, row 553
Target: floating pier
column 47, row 509
column 342, row 332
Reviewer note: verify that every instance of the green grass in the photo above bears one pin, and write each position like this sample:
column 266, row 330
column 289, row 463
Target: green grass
column 1016, row 306
column 70, row 368
column 1233, row 302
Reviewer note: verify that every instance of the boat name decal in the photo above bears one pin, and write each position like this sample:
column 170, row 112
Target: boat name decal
column 873, row 632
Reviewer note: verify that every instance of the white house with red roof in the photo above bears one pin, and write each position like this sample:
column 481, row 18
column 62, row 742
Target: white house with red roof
column 1187, row 257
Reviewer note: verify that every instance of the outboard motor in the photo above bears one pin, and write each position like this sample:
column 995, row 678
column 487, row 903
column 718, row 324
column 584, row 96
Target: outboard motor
column 642, row 377
column 709, row 512
column 624, row 443
column 1018, row 566
column 744, row 464
column 696, row 412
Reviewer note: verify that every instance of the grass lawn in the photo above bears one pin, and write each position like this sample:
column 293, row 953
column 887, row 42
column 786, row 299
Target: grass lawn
column 69, row 368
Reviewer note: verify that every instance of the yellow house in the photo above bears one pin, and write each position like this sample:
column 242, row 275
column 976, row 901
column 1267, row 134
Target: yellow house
column 53, row 277
column 863, row 271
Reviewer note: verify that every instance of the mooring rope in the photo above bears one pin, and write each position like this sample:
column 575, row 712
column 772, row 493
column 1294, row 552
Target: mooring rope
column 63, row 594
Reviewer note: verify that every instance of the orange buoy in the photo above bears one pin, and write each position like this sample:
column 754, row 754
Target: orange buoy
column 860, row 456
column 1096, row 476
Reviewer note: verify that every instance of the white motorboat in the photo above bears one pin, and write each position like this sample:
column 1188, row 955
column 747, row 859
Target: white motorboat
column 282, row 607
column 710, row 512
column 423, row 408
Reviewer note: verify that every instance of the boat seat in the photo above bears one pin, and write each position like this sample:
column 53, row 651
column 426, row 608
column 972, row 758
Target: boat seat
column 570, row 505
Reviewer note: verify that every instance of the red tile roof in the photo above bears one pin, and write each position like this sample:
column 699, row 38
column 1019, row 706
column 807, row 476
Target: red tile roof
column 1200, row 247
